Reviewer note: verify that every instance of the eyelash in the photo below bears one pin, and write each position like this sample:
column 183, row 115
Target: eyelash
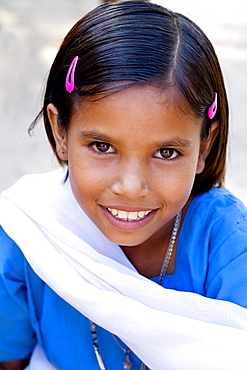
column 95, row 147
column 172, row 153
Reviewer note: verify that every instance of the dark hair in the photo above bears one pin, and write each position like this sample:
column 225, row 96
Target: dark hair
column 137, row 43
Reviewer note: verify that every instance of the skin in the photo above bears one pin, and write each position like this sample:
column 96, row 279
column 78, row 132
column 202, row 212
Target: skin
column 135, row 150
column 14, row 365
column 138, row 149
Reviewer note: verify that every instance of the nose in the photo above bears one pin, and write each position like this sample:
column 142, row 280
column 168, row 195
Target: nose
column 131, row 180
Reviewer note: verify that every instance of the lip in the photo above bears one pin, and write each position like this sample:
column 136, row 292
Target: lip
column 130, row 208
column 128, row 225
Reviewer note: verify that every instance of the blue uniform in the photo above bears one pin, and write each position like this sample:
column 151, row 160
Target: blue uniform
column 211, row 261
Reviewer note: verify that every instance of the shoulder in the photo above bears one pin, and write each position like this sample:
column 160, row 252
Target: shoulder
column 214, row 230
column 219, row 199
column 7, row 244
column 218, row 207
column 215, row 236
column 222, row 197
column 11, row 257
column 227, row 247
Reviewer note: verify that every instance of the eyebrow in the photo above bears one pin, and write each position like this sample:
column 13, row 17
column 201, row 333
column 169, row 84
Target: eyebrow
column 177, row 141
column 95, row 135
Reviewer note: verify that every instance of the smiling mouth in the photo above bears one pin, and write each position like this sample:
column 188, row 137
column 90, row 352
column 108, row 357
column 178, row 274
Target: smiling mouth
column 128, row 216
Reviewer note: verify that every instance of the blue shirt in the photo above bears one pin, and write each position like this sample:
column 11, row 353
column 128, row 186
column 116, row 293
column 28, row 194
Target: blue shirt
column 211, row 260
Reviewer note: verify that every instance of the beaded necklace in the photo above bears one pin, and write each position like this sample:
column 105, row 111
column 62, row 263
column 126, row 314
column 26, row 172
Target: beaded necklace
column 126, row 362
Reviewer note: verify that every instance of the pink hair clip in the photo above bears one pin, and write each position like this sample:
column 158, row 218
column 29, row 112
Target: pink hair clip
column 70, row 78
column 213, row 108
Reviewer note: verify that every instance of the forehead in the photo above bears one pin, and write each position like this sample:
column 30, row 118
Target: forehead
column 137, row 108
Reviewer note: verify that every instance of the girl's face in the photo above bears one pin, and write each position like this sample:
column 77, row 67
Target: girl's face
column 132, row 159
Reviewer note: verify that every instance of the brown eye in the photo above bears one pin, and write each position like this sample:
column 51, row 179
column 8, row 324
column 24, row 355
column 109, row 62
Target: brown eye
column 166, row 153
column 102, row 147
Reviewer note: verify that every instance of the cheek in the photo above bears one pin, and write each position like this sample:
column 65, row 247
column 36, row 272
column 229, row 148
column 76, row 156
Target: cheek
column 87, row 179
column 177, row 184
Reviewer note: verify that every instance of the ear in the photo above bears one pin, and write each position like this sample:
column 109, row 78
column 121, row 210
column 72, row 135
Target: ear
column 59, row 134
column 206, row 146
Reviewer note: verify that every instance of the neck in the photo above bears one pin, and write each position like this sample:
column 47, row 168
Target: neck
column 148, row 256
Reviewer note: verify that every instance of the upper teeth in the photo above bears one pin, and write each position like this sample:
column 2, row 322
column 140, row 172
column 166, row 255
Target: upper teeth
column 128, row 216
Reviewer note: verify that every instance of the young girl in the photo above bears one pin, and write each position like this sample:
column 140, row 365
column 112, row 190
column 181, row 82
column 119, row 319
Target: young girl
column 136, row 112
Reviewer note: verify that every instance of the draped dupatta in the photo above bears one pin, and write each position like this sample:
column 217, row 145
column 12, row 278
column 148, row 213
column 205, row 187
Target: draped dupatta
column 166, row 329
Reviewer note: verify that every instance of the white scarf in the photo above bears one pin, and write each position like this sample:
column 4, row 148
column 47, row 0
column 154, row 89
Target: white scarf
column 165, row 328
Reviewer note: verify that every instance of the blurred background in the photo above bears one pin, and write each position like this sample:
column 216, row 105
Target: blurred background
column 30, row 34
